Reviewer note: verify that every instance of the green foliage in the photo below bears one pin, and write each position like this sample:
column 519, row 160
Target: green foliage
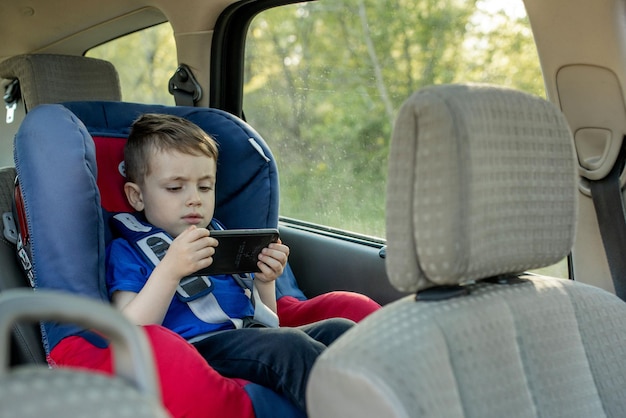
column 325, row 79
column 145, row 61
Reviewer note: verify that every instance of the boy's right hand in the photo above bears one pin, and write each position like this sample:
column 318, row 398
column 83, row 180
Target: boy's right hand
column 190, row 251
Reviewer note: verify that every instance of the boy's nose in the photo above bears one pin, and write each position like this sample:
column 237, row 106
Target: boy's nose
column 194, row 199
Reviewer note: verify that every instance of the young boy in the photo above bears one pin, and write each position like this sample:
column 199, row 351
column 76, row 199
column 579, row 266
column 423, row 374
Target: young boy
column 171, row 174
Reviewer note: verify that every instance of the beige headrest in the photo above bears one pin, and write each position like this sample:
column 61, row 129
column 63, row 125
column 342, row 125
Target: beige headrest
column 482, row 182
column 46, row 78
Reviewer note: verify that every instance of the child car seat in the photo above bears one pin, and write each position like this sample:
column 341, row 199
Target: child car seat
column 247, row 178
column 68, row 192
column 63, row 227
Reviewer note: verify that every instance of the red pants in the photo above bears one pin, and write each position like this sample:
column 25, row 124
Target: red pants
column 189, row 386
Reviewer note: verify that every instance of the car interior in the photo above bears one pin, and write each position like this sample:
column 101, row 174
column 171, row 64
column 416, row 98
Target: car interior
column 460, row 166
column 488, row 348
column 51, row 390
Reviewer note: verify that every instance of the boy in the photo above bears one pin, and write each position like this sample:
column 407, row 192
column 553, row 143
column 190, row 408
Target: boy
column 171, row 174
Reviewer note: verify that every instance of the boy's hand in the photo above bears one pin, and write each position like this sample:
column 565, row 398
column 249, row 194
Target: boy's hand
column 191, row 251
column 272, row 262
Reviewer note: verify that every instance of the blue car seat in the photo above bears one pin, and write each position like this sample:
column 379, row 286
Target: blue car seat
column 67, row 160
column 247, row 191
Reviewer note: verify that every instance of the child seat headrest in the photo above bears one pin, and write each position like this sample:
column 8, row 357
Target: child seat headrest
column 247, row 178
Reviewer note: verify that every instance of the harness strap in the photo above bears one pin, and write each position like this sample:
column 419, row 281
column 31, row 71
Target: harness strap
column 195, row 291
column 262, row 313
column 208, row 310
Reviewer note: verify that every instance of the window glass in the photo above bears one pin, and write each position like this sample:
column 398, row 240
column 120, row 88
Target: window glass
column 324, row 80
column 145, row 61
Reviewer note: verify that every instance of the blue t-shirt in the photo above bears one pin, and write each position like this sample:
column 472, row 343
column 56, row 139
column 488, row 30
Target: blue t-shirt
column 127, row 270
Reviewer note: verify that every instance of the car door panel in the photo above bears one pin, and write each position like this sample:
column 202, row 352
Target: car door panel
column 323, row 261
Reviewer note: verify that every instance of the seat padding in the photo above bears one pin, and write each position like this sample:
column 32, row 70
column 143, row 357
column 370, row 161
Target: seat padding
column 481, row 182
column 49, row 78
column 547, row 347
column 246, row 172
column 185, row 378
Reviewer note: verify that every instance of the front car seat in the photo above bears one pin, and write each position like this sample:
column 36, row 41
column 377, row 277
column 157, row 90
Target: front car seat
column 34, row 390
column 481, row 187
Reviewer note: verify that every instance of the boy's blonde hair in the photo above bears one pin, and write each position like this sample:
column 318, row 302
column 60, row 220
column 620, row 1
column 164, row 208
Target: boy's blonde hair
column 160, row 132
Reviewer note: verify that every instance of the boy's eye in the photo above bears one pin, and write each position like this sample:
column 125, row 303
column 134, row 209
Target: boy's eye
column 173, row 188
column 205, row 188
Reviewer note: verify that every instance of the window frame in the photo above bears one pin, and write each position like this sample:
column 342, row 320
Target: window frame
column 228, row 52
column 226, row 92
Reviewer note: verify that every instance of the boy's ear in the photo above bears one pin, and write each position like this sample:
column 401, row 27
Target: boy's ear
column 133, row 195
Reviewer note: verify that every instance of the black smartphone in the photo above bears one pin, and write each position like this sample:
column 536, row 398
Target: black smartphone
column 238, row 250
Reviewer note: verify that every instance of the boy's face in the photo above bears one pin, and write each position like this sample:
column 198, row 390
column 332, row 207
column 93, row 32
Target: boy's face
column 178, row 191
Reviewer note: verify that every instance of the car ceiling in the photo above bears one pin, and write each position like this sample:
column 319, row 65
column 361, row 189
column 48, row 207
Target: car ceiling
column 85, row 23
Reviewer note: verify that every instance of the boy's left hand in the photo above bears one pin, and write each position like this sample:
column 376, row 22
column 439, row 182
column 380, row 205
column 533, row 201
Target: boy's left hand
column 272, row 262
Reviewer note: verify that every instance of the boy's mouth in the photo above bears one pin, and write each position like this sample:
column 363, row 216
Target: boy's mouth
column 193, row 218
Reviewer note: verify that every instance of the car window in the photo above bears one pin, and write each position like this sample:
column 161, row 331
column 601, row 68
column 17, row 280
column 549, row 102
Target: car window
column 323, row 81
column 145, row 61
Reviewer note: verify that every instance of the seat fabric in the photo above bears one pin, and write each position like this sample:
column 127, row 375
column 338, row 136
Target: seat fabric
column 49, row 78
column 529, row 350
column 35, row 390
column 94, row 394
column 26, row 339
column 44, row 78
column 481, row 183
column 482, row 186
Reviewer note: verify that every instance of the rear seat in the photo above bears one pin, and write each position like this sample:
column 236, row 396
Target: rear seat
column 47, row 78
column 43, row 78
column 26, row 342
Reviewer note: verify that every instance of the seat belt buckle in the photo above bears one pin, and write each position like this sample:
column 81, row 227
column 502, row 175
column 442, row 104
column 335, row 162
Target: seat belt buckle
column 11, row 95
column 10, row 112
column 191, row 288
